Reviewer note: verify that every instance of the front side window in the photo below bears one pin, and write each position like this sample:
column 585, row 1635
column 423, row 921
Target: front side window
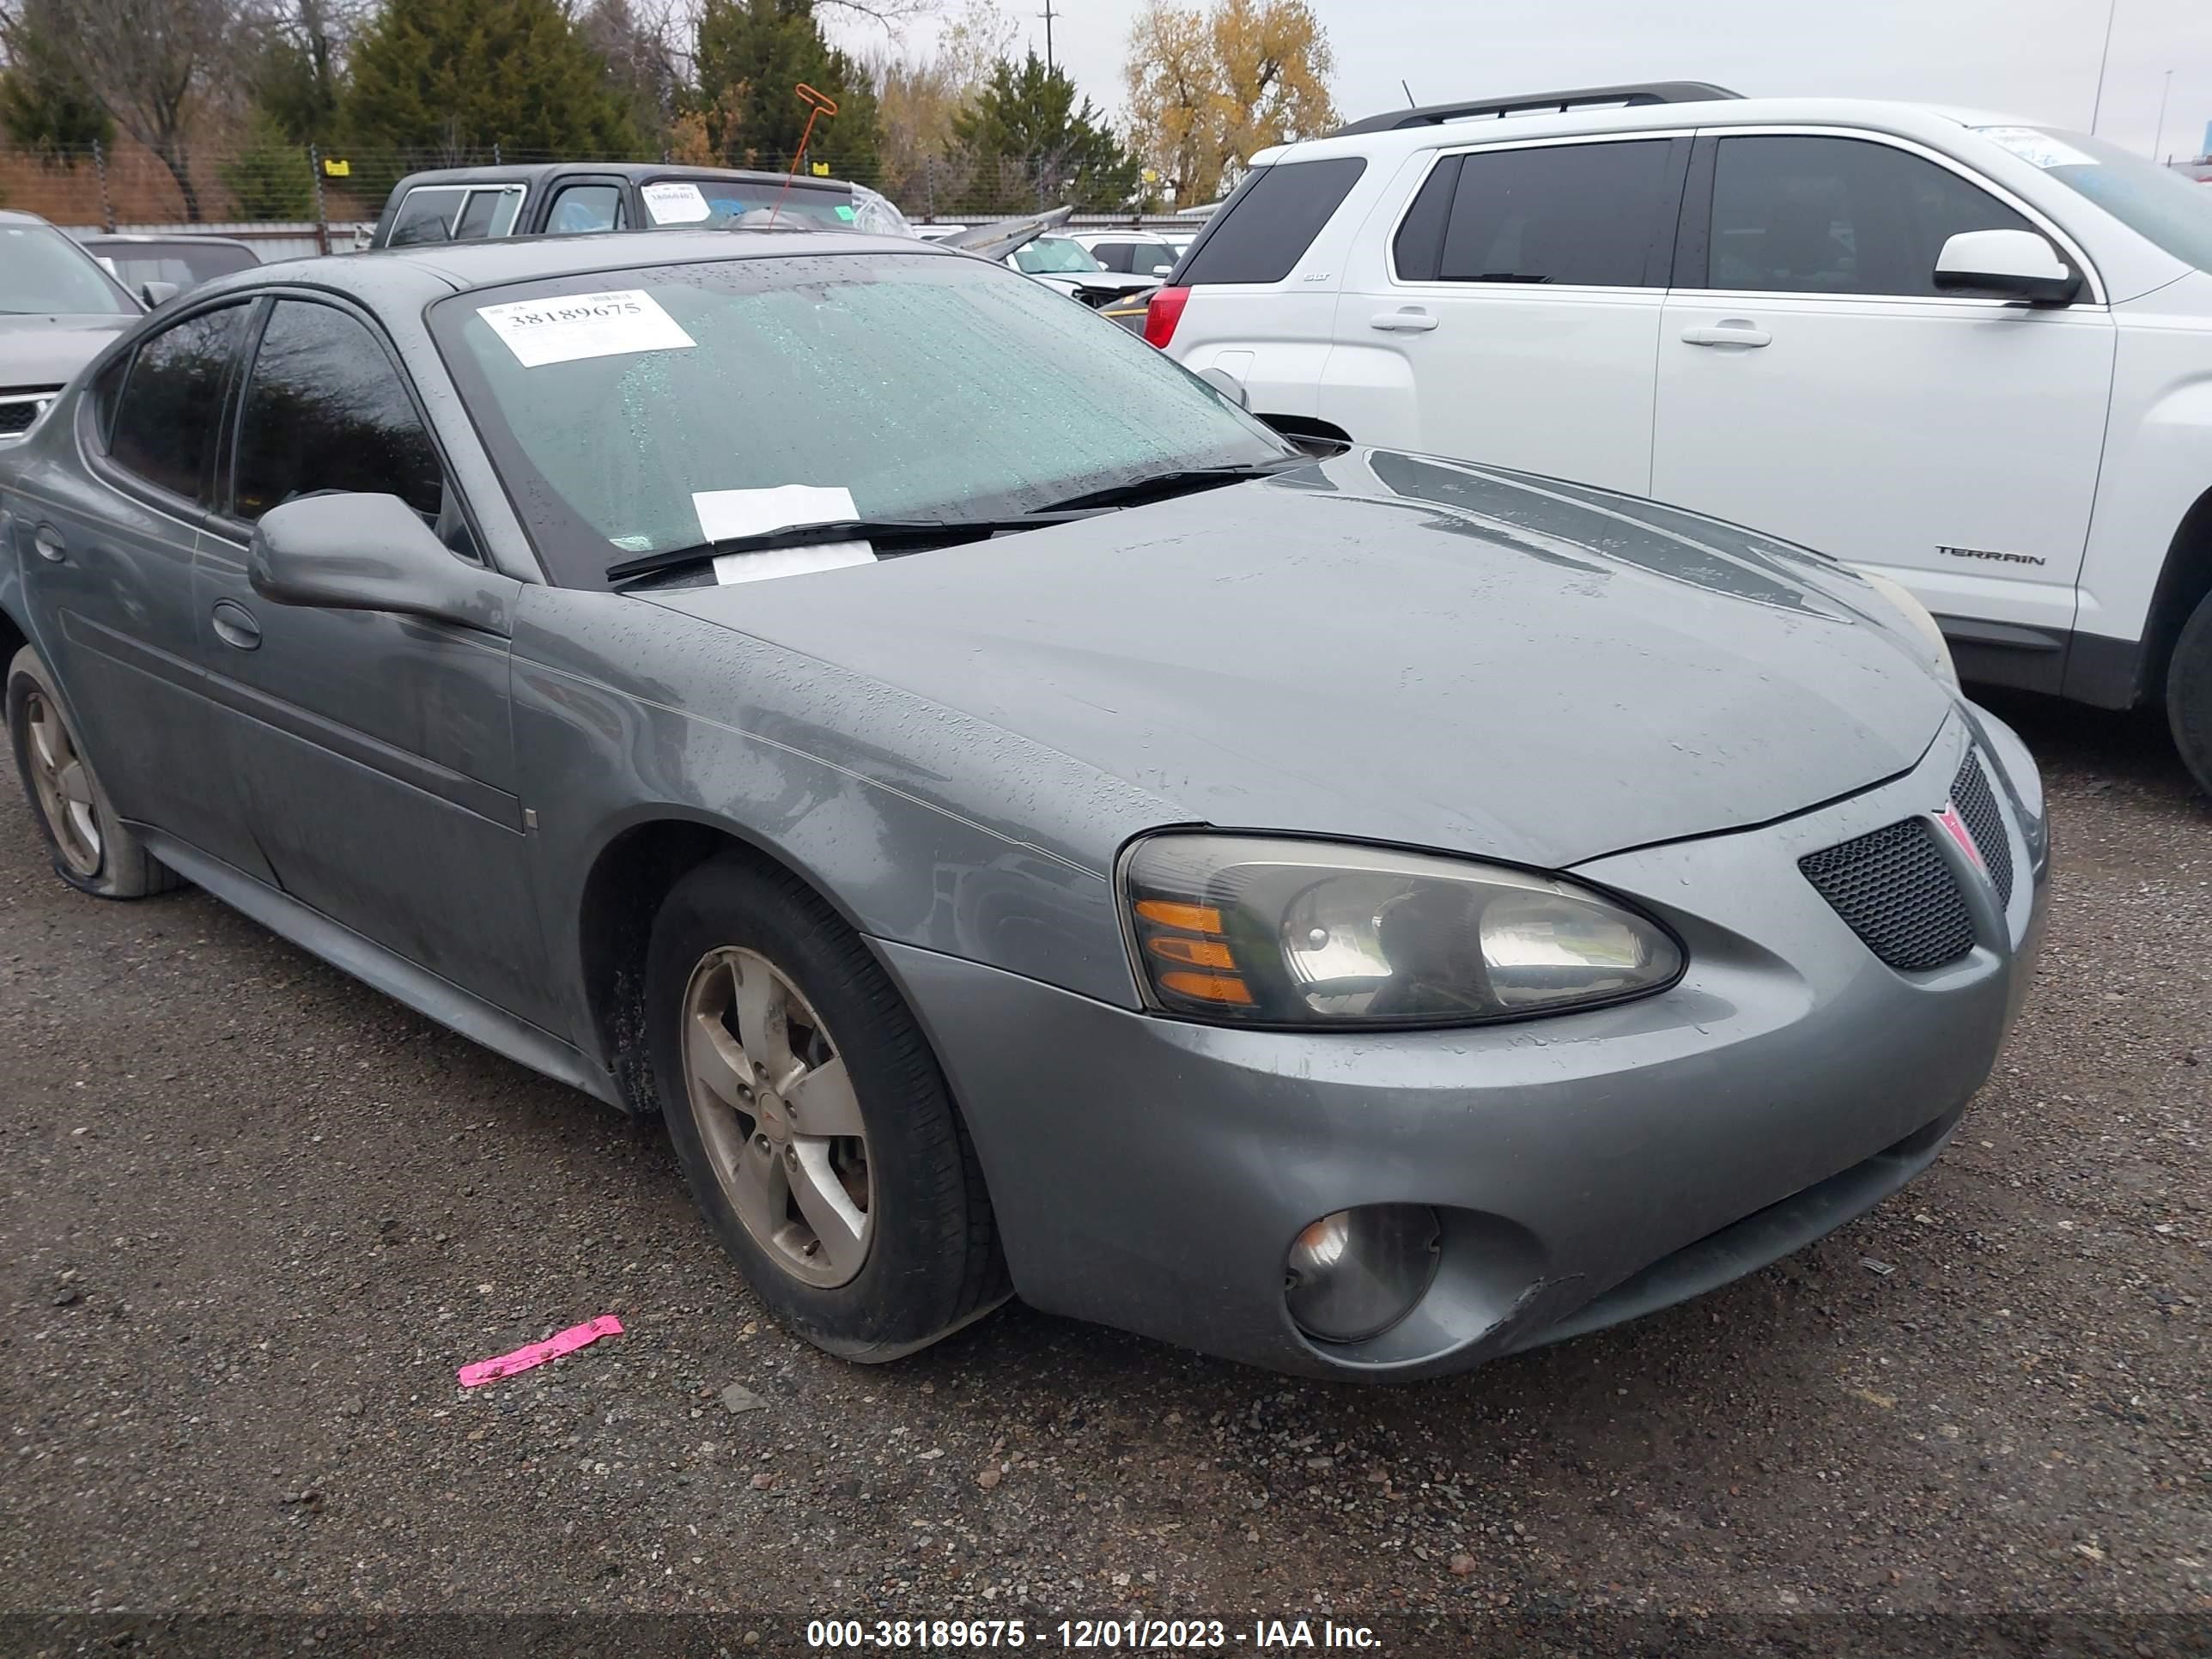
column 1595, row 215
column 581, row 209
column 325, row 409
column 43, row 273
column 1803, row 214
column 923, row 387
column 426, row 215
column 166, row 413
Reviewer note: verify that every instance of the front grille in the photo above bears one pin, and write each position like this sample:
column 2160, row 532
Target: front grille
column 1977, row 806
column 1896, row 889
column 19, row 408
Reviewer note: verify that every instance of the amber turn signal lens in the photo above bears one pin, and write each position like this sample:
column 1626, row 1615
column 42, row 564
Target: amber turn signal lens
column 1207, row 987
column 1199, row 952
column 1190, row 918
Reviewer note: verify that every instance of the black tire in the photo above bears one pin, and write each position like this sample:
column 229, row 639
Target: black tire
column 933, row 1261
column 2188, row 695
column 117, row 865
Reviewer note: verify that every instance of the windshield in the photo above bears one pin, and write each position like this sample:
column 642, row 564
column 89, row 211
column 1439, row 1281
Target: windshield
column 715, row 203
column 2156, row 202
column 1054, row 256
column 42, row 270
column 636, row 411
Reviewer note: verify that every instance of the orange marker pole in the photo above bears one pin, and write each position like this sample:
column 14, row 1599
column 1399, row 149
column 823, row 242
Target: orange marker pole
column 818, row 104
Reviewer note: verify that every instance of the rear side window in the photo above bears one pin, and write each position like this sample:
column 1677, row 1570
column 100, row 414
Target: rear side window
column 166, row 414
column 489, row 213
column 1598, row 215
column 582, row 209
column 1261, row 233
column 426, row 216
column 325, row 409
column 1807, row 215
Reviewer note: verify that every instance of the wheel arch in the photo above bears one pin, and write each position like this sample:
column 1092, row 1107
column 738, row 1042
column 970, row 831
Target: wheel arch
column 635, row 867
column 2184, row 580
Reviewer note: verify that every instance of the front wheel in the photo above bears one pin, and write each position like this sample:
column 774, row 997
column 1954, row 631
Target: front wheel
column 813, row 1126
column 2188, row 695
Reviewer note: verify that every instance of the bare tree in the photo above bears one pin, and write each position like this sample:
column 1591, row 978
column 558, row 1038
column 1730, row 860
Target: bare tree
column 155, row 66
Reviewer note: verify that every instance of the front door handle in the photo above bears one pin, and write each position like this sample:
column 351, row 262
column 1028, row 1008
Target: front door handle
column 1406, row 320
column 234, row 625
column 1729, row 333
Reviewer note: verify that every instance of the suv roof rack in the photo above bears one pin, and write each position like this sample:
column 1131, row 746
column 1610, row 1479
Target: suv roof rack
column 1537, row 103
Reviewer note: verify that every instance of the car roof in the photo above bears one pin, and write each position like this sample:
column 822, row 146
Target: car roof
column 17, row 216
column 144, row 239
column 1880, row 115
column 407, row 277
column 537, row 173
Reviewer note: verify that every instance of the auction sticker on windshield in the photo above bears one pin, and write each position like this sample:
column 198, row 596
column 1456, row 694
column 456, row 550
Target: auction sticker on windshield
column 575, row 325
column 2038, row 149
column 675, row 203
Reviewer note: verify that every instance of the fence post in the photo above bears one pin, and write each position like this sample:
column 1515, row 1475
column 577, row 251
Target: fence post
column 100, row 167
column 322, row 216
column 496, row 162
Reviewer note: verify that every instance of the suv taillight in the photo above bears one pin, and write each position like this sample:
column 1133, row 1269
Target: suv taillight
column 1163, row 314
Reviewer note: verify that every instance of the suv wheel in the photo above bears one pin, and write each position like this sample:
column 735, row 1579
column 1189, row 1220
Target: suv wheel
column 2188, row 695
column 91, row 849
column 814, row 1127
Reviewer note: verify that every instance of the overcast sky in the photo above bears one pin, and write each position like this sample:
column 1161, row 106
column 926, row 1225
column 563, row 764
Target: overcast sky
column 2029, row 57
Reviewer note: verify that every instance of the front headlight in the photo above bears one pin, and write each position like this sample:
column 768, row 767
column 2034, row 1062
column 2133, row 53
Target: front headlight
column 1268, row 931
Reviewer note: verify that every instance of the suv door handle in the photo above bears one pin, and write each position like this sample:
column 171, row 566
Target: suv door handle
column 1406, row 320
column 1730, row 333
column 234, row 625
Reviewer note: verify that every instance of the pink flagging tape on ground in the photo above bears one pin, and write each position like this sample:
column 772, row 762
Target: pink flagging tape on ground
column 522, row 1359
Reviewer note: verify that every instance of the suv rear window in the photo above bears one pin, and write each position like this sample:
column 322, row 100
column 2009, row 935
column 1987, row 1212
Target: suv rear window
column 1261, row 232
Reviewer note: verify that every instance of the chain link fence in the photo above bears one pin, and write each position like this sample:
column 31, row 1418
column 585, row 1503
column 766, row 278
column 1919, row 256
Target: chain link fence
column 250, row 191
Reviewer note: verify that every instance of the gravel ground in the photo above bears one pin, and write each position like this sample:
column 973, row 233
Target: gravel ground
column 256, row 1215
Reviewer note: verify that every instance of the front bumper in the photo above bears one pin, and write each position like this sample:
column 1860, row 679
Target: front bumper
column 1151, row 1173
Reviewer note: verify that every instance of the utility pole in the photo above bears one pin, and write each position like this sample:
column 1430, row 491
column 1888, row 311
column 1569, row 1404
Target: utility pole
column 2159, row 142
column 1048, row 13
column 2097, row 106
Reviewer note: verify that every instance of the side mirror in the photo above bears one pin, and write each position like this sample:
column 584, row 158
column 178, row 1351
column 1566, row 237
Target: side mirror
column 157, row 294
column 1227, row 385
column 2006, row 264
column 358, row 552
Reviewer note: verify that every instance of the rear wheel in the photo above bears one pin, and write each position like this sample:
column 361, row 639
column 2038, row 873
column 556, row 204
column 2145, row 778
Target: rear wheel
column 814, row 1127
column 2188, row 695
column 92, row 848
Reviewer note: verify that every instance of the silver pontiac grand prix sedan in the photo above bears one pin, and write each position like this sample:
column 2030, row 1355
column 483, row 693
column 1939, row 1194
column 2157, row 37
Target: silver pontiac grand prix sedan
column 1029, row 829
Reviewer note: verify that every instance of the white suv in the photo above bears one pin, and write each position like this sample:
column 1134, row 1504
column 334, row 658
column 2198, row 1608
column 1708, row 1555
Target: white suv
column 1971, row 353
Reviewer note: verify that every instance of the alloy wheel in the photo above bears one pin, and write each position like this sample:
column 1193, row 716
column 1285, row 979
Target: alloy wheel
column 62, row 783
column 778, row 1117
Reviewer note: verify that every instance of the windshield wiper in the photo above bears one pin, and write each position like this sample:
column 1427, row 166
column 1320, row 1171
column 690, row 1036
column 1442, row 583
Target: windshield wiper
column 1154, row 486
column 837, row 530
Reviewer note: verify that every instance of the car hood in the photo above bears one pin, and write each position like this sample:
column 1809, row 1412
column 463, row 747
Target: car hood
column 47, row 350
column 1394, row 649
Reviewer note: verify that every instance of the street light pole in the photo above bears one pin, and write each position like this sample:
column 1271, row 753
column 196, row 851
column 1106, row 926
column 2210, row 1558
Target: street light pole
column 1047, row 14
column 2097, row 106
column 2165, row 93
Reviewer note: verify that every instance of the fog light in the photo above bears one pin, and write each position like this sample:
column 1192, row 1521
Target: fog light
column 1354, row 1274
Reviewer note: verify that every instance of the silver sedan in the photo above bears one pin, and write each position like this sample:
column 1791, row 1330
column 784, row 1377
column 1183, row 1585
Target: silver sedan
column 1028, row 828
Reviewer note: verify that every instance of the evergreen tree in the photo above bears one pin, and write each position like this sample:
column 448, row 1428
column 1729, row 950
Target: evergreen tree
column 1026, row 122
column 270, row 175
column 449, row 79
column 44, row 105
column 751, row 55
